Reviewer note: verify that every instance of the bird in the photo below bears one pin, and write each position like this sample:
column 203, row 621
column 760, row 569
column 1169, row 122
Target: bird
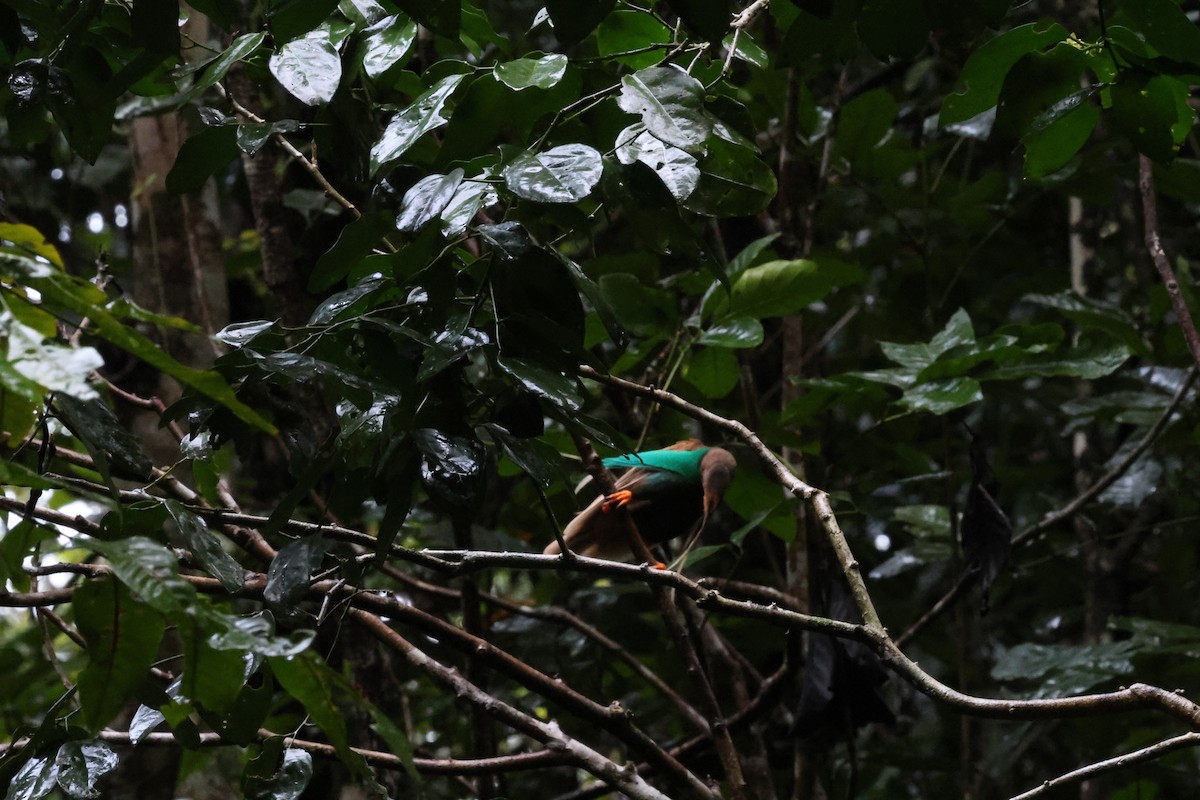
column 670, row 492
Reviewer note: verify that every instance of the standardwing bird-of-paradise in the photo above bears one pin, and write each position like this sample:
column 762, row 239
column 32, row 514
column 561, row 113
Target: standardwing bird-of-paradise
column 670, row 493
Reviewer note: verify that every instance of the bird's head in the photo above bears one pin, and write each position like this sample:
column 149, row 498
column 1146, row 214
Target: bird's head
column 716, row 472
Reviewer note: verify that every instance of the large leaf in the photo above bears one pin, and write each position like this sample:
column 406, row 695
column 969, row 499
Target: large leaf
column 150, row 571
column 779, row 288
column 540, row 73
column 311, row 682
column 983, row 75
column 734, row 182
column 561, row 174
column 670, row 103
column 428, row 198
column 309, row 68
column 676, row 167
column 82, row 764
column 387, row 42
column 122, row 635
column 412, row 123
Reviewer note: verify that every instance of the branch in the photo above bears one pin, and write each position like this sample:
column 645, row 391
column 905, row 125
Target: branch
column 1161, row 262
column 619, row 778
column 1108, row 765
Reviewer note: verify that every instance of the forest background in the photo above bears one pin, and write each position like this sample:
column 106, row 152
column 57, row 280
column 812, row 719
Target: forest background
column 315, row 313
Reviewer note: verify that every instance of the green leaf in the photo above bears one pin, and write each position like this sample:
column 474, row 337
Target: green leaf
column 105, row 438
column 252, row 136
column 1051, row 142
column 1095, row 315
column 958, row 331
column 575, row 19
column 733, row 332
column 291, row 570
column 562, row 390
column 472, row 196
column 18, row 542
column 1166, row 28
column 202, row 156
column 82, row 764
column 292, row 778
column 356, row 241
column 625, row 31
column 308, row 67
column 943, row 395
column 29, row 239
column 864, row 123
column 60, row 292
column 1062, row 670
column 541, row 73
column 1095, row 357
column 37, row 778
column 561, row 174
column 428, row 198
column 733, row 182
column 311, row 682
column 983, row 75
column 675, row 167
column 412, row 123
column 256, row 634
column 779, row 288
column 206, row 548
column 714, row 371
column 150, row 571
column 1152, row 111
column 387, row 42
column 670, row 103
column 52, row 366
column 123, row 636
column 708, row 18
column 242, row 48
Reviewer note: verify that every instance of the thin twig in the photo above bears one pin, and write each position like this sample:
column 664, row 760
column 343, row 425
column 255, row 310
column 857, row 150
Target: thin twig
column 1161, row 262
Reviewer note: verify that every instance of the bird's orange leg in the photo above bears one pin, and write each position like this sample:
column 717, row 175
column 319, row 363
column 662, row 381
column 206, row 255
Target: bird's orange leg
column 616, row 500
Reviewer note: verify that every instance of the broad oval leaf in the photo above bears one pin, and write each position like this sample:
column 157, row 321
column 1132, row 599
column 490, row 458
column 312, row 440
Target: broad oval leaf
column 471, row 197
column 670, row 103
column 540, row 73
column 412, row 123
column 779, row 288
column 386, row 43
column 309, row 68
column 427, row 198
column 452, row 467
column 675, row 167
column 37, row 778
column 562, row 174
column 82, row 764
column 733, row 182
column 291, row 569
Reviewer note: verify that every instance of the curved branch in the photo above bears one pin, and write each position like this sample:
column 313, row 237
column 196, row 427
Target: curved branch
column 1154, row 751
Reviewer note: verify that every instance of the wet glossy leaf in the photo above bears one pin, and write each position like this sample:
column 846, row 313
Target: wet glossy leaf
column 541, row 73
column 242, row 48
column 1061, row 670
column 957, row 332
column 412, row 123
column 428, row 198
column 1166, row 28
column 123, row 636
column 670, row 103
column 562, row 390
column 240, row 333
column 108, row 442
column 1052, row 146
column 82, row 764
column 1094, row 357
column 561, row 174
column 333, row 307
column 943, row 395
column 510, row 238
column 256, row 634
column 452, row 467
column 53, row 366
column 206, row 548
column 292, row 778
column 675, row 167
column 252, row 136
column 537, row 459
column 149, row 570
column 291, row 570
column 30, row 240
column 733, row 332
column 387, row 43
column 36, row 779
column 471, row 197
column 309, row 68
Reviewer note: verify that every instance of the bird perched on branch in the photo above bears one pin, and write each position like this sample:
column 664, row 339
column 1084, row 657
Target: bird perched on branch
column 669, row 492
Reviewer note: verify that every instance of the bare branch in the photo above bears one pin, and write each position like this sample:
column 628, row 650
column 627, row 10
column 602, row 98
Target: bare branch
column 1150, row 753
column 1161, row 262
